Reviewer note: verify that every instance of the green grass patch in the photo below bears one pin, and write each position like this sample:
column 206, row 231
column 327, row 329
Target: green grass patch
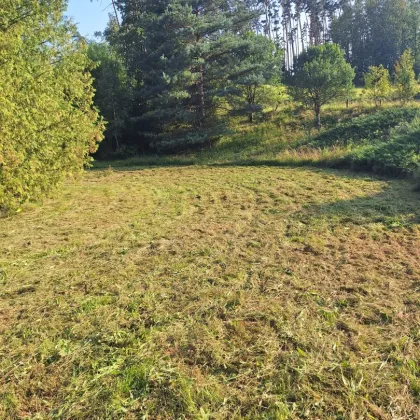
column 213, row 292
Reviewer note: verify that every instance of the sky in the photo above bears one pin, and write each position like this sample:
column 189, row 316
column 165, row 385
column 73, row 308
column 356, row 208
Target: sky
column 89, row 16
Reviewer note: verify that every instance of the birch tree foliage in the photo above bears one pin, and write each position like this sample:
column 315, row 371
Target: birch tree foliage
column 48, row 123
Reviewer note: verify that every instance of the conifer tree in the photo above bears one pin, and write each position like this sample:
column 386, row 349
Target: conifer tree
column 378, row 81
column 189, row 53
column 405, row 78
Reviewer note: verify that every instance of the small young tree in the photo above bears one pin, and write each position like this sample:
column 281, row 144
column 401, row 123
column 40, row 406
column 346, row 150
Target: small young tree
column 377, row 80
column 260, row 66
column 320, row 75
column 405, row 78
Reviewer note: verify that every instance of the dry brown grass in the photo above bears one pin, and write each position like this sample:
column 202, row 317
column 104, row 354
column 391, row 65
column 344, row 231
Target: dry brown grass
column 213, row 293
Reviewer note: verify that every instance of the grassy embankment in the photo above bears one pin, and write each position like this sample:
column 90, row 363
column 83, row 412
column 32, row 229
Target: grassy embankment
column 384, row 141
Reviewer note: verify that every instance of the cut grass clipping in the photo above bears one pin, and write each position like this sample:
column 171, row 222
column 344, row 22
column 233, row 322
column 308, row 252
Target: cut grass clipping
column 213, row 293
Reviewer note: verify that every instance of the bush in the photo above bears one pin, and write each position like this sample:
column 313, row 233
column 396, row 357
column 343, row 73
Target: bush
column 48, row 124
column 365, row 129
column 397, row 155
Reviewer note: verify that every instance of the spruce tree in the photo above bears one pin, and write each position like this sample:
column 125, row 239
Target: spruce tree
column 189, row 53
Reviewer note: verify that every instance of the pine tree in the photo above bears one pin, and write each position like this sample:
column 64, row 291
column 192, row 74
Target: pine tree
column 405, row 78
column 189, row 53
column 378, row 81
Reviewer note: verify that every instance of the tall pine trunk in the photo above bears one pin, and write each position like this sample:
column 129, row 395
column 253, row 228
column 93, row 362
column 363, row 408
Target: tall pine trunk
column 201, row 98
column 200, row 88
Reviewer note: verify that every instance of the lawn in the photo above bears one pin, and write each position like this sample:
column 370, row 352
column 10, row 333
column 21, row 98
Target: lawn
column 213, row 292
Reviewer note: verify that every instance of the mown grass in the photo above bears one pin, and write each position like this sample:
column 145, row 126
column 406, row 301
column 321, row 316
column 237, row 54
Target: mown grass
column 208, row 292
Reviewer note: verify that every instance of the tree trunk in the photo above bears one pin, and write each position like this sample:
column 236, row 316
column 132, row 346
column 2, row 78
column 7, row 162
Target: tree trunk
column 317, row 109
column 200, row 87
column 250, row 98
column 201, row 101
column 116, row 13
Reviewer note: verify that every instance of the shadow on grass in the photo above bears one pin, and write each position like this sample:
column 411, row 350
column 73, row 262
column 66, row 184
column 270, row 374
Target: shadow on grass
column 336, row 167
column 147, row 163
column 397, row 206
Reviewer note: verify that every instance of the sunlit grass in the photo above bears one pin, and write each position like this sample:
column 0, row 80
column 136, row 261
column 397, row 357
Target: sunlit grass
column 208, row 292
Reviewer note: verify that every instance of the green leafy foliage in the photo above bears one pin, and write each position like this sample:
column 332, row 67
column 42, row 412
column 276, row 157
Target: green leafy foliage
column 366, row 128
column 260, row 68
column 398, row 154
column 320, row 75
column 386, row 142
column 405, row 78
column 376, row 32
column 48, row 124
column 378, row 81
column 113, row 95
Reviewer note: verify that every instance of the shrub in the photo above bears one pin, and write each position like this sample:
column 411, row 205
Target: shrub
column 48, row 124
column 366, row 128
column 378, row 82
column 398, row 155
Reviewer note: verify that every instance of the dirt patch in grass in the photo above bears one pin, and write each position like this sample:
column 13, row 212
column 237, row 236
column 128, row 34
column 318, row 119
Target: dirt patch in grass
column 213, row 293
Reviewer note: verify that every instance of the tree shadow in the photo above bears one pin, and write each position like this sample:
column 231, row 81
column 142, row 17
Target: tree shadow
column 146, row 163
column 397, row 206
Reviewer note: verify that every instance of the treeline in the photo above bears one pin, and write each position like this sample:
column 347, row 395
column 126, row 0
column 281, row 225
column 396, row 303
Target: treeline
column 48, row 124
column 173, row 71
column 371, row 32
column 174, row 68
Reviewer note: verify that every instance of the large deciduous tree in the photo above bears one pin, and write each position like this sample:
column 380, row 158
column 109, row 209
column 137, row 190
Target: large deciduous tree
column 48, row 124
column 320, row 75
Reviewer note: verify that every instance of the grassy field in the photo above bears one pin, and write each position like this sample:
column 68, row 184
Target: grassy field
column 213, row 292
